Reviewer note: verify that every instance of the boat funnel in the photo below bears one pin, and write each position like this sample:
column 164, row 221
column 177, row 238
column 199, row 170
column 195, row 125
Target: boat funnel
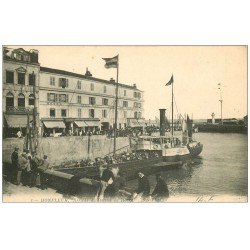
column 162, row 121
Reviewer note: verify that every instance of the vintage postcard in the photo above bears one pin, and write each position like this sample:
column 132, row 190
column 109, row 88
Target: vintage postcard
column 124, row 124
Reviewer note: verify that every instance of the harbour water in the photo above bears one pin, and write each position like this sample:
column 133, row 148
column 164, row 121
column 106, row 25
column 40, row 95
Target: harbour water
column 221, row 169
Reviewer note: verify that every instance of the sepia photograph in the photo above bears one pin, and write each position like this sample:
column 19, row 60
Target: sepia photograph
column 124, row 124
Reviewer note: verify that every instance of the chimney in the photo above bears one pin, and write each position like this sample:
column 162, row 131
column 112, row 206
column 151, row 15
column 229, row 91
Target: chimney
column 88, row 74
column 134, row 86
column 162, row 122
column 112, row 80
column 34, row 55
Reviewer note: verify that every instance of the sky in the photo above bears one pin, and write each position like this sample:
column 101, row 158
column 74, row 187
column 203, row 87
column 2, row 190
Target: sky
column 197, row 70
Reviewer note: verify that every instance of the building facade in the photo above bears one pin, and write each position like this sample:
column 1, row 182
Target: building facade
column 20, row 88
column 66, row 101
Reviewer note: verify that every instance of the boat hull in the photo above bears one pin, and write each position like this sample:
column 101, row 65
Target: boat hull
column 178, row 154
column 129, row 169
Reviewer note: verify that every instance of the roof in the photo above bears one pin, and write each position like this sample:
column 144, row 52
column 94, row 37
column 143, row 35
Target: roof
column 67, row 73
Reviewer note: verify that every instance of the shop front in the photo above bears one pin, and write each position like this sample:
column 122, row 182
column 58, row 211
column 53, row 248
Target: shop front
column 15, row 125
column 53, row 128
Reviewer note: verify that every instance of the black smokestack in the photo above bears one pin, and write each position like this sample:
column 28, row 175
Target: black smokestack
column 162, row 122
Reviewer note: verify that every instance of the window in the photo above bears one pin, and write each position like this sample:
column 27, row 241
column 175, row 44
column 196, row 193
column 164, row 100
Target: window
column 139, row 115
column 105, row 101
column 120, row 125
column 104, row 89
column 9, row 76
column 52, row 113
column 135, row 115
column 52, row 81
column 9, row 100
column 125, row 92
column 31, row 99
column 21, row 78
column 139, row 105
column 63, row 112
column 79, row 113
column 125, row 125
column 92, row 100
column 63, row 98
column 63, row 82
column 79, row 99
column 125, row 104
column 92, row 87
column 139, row 95
column 91, row 113
column 79, row 85
column 104, row 113
column 51, row 97
column 32, row 79
column 21, row 100
column 135, row 105
column 125, row 114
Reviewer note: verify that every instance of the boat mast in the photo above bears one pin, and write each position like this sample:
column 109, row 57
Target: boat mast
column 116, row 105
column 35, row 132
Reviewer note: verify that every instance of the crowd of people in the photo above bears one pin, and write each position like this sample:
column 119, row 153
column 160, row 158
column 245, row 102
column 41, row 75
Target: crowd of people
column 114, row 185
column 121, row 132
column 26, row 168
column 114, row 159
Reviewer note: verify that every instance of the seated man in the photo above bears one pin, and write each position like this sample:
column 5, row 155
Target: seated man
column 143, row 189
column 161, row 189
column 107, row 178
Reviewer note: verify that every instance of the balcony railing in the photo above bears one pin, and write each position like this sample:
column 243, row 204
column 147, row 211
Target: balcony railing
column 18, row 110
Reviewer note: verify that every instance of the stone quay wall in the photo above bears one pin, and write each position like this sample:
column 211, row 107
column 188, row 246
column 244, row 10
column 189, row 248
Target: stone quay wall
column 65, row 149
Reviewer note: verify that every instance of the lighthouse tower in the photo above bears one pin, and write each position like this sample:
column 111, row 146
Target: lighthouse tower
column 213, row 118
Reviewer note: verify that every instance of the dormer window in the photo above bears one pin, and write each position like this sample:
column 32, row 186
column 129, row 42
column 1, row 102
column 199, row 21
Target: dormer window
column 21, row 55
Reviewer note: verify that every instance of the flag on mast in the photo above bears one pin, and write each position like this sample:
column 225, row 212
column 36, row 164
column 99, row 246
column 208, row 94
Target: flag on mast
column 170, row 81
column 111, row 62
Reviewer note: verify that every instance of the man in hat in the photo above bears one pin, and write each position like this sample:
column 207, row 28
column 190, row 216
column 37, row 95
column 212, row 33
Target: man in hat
column 161, row 189
column 14, row 167
column 107, row 178
column 41, row 170
column 143, row 189
column 23, row 165
column 34, row 164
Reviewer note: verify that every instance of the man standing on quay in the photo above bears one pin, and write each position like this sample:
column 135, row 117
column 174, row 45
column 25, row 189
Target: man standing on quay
column 14, row 167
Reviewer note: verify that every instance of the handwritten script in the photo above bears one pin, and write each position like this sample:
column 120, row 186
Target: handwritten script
column 203, row 198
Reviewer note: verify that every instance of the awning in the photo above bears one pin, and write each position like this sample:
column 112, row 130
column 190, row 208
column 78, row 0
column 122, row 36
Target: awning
column 92, row 123
column 80, row 124
column 54, row 124
column 17, row 121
